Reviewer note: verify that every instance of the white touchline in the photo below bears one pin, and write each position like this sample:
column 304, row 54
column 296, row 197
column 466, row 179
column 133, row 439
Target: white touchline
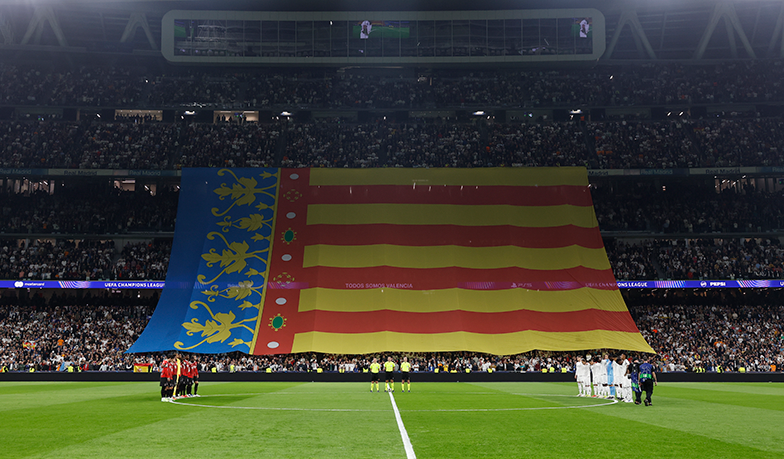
column 406, row 441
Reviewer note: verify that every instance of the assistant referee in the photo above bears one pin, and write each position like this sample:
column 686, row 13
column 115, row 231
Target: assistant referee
column 375, row 368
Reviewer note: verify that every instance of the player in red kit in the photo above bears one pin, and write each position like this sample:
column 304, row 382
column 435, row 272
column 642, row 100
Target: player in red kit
column 182, row 379
column 188, row 373
column 168, row 368
column 195, row 376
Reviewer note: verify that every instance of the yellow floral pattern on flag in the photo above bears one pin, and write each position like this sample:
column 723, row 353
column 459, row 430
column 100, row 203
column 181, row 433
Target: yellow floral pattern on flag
column 225, row 310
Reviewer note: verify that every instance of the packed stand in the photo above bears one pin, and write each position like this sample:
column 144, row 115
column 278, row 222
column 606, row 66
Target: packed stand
column 87, row 145
column 120, row 145
column 690, row 331
column 196, row 89
column 334, row 145
column 731, row 330
column 228, row 145
column 721, row 259
column 56, row 259
column 630, row 261
column 93, row 335
column 536, row 145
column 143, row 260
column 715, row 336
column 686, row 207
column 85, row 209
column 740, row 142
column 649, row 84
column 61, row 259
column 437, row 143
column 688, row 259
column 98, row 87
column 630, row 145
column 337, row 91
column 86, row 86
column 84, row 330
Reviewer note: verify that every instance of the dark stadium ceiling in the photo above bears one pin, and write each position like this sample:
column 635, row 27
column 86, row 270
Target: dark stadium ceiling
column 668, row 29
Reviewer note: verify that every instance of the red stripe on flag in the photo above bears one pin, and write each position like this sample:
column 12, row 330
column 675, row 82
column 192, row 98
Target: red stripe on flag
column 450, row 194
column 294, row 184
column 466, row 236
column 472, row 322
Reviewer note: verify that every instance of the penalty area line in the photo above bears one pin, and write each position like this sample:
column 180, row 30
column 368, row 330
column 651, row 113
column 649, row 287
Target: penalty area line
column 403, row 434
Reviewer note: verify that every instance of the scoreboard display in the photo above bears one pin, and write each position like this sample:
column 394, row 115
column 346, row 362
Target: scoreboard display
column 383, row 38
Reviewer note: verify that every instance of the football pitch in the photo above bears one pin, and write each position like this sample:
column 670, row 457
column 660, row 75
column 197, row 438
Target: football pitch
column 346, row 420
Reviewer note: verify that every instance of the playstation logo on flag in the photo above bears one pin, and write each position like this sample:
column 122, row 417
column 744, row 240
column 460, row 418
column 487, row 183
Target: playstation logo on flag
column 18, row 284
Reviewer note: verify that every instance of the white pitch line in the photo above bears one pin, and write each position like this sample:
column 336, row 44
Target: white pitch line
column 270, row 408
column 458, row 410
column 514, row 409
column 406, row 441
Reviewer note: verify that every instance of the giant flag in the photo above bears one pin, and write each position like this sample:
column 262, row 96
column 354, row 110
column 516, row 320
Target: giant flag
column 496, row 260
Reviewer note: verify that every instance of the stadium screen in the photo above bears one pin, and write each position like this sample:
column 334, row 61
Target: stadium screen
column 561, row 34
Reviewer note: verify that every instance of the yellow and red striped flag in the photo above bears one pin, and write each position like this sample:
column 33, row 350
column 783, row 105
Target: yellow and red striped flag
column 498, row 260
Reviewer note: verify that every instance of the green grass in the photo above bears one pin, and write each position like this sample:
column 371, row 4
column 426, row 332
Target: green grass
column 344, row 420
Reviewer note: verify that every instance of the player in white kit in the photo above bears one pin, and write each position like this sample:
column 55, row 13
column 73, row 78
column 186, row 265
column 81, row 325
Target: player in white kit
column 599, row 378
column 625, row 382
column 582, row 373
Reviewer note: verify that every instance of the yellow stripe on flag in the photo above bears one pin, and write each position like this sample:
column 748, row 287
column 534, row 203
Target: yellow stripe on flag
column 501, row 344
column 444, row 256
column 378, row 299
column 449, row 214
column 539, row 176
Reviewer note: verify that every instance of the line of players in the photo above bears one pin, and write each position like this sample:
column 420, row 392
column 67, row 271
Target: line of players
column 389, row 374
column 179, row 378
column 609, row 378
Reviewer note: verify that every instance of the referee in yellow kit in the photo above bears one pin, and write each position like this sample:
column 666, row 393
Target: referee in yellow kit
column 375, row 368
column 405, row 372
column 389, row 369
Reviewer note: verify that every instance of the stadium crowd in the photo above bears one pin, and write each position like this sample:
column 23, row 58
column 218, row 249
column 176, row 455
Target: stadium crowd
column 687, row 259
column 721, row 259
column 416, row 143
column 630, row 261
column 56, row 260
column 695, row 332
column 86, row 332
column 228, row 145
column 625, row 145
column 86, row 259
column 143, row 260
column 686, row 207
column 86, row 209
column 599, row 144
column 135, row 87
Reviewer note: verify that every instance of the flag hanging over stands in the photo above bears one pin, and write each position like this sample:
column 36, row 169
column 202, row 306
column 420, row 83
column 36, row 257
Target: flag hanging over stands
column 354, row 261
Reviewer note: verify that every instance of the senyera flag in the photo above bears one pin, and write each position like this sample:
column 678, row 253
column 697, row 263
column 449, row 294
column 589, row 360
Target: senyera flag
column 354, row 261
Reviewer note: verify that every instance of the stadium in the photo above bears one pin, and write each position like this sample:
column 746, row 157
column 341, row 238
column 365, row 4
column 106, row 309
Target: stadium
column 246, row 209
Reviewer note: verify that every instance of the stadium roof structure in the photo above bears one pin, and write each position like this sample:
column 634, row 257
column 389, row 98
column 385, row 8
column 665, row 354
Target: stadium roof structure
column 636, row 30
